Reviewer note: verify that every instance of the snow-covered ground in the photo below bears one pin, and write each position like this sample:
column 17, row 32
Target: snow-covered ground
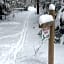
column 21, row 44
column 59, row 54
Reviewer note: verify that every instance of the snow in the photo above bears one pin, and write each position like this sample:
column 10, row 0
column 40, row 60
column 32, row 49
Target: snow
column 32, row 9
column 1, row 1
column 57, row 20
column 45, row 18
column 62, row 40
column 59, row 54
column 7, row 5
column 51, row 7
column 62, row 15
column 29, row 53
column 45, row 33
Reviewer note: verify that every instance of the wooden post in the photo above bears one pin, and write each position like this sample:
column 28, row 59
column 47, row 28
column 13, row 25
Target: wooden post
column 51, row 41
column 49, row 24
column 37, row 6
column 51, row 45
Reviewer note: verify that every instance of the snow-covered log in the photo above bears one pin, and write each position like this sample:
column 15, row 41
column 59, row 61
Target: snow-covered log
column 45, row 19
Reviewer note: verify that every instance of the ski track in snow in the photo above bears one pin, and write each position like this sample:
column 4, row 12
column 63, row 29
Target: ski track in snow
column 14, row 50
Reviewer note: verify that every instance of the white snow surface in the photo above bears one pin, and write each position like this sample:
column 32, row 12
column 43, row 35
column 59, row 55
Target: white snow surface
column 63, row 16
column 45, row 18
column 32, row 42
column 51, row 7
column 32, row 9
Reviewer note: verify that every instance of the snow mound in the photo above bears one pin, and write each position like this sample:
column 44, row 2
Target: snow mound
column 32, row 9
column 51, row 7
column 45, row 18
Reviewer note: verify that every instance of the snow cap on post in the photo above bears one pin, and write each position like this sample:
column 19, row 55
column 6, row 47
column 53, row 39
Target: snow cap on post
column 51, row 7
column 45, row 19
column 32, row 9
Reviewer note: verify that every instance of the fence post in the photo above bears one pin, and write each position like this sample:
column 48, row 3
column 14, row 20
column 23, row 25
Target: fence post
column 51, row 40
column 44, row 22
